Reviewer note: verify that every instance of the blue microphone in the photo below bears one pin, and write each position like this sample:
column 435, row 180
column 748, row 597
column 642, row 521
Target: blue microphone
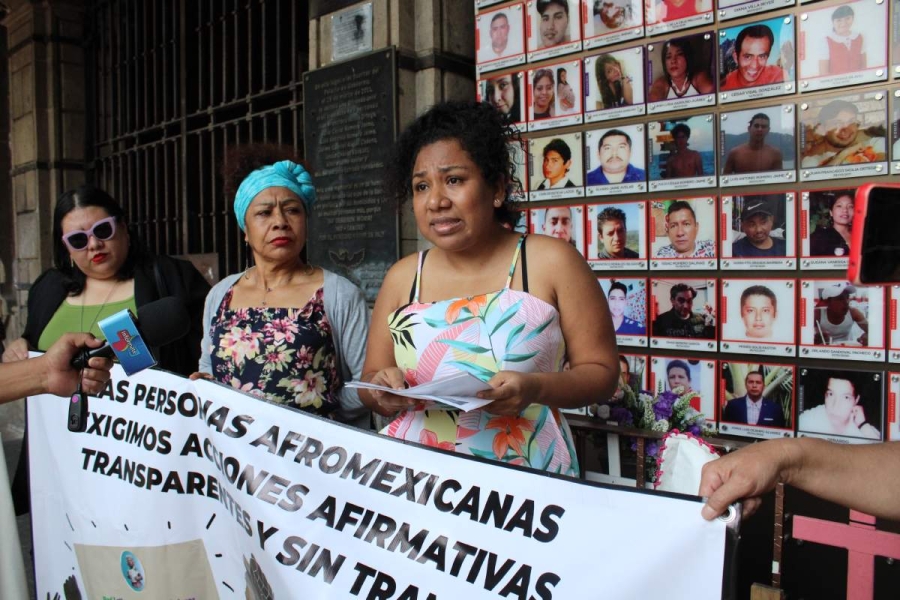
column 164, row 321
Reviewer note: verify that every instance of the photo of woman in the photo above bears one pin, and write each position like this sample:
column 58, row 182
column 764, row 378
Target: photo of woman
column 831, row 222
column 543, row 95
column 685, row 70
column 505, row 93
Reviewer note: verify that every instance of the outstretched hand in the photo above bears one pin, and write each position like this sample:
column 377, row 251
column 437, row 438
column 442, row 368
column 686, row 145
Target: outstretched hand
column 742, row 475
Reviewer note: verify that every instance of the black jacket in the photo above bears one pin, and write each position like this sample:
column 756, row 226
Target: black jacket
column 176, row 278
column 157, row 277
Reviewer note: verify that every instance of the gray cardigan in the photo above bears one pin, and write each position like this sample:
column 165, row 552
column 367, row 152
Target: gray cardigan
column 346, row 309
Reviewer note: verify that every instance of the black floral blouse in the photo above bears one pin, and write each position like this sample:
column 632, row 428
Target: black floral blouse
column 285, row 355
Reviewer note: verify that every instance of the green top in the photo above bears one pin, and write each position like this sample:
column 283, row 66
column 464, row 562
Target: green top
column 75, row 317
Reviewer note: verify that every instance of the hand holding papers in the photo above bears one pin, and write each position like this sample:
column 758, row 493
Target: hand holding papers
column 454, row 392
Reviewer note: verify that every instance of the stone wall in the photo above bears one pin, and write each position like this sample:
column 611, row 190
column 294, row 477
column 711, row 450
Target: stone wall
column 435, row 40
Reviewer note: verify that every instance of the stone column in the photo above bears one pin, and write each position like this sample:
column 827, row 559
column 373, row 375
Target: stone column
column 436, row 44
column 47, row 116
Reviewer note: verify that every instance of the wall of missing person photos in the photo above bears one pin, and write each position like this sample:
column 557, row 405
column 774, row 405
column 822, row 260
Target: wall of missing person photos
column 704, row 157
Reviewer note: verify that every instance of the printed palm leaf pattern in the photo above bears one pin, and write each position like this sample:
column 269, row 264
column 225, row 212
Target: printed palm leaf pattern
column 481, row 358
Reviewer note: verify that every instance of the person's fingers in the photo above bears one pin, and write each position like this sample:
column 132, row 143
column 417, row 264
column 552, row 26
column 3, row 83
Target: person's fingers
column 199, row 375
column 93, row 381
column 98, row 362
column 718, row 501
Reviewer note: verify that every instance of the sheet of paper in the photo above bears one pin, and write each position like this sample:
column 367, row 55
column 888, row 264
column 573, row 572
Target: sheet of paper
column 457, row 391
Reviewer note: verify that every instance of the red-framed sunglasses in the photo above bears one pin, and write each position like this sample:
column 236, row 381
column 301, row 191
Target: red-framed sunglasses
column 104, row 229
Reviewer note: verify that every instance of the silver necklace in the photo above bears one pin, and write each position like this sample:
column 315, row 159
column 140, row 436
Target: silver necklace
column 307, row 271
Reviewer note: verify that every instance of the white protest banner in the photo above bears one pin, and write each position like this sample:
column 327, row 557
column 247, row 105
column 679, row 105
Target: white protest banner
column 183, row 489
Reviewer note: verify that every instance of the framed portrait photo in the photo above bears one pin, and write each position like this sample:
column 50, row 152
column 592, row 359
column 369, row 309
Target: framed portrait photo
column 563, row 222
column 843, row 44
column 617, row 236
column 843, row 136
column 614, row 85
column 671, row 373
column 682, row 153
column 683, row 314
column 554, row 96
column 758, row 316
column 500, row 38
column 554, row 28
column 627, row 300
column 608, row 22
column 506, row 93
column 661, row 16
column 556, row 167
column 841, row 321
column 615, row 161
column 842, row 406
column 826, row 226
column 757, row 399
column 757, row 146
column 683, row 233
column 681, row 73
column 758, row 232
column 757, row 60
column 634, row 374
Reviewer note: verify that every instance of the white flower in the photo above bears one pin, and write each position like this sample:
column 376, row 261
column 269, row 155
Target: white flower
column 661, row 425
column 603, row 411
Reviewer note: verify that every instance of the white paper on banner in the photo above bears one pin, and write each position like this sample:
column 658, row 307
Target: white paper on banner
column 457, row 391
column 176, row 477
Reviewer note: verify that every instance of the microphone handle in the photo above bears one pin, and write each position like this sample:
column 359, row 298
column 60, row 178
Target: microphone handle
column 80, row 360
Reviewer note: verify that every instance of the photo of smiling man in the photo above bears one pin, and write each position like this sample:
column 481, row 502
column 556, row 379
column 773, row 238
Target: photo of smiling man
column 757, row 60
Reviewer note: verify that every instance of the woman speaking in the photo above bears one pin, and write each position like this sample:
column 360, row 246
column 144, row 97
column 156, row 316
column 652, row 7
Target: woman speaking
column 485, row 300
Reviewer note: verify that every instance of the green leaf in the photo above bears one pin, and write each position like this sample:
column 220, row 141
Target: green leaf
column 482, row 453
column 475, row 349
column 476, row 370
column 506, row 316
column 537, row 330
column 518, row 357
column 442, row 323
column 510, row 341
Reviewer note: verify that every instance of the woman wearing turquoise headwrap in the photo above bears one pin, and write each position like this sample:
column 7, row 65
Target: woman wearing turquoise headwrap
column 283, row 330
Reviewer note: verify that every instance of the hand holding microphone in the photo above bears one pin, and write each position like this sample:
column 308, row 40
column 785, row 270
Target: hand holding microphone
column 129, row 340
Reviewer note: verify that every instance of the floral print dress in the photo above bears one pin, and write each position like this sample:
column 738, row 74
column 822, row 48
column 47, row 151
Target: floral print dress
column 285, row 355
column 508, row 330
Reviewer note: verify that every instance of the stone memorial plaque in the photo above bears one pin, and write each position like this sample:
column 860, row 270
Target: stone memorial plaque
column 350, row 120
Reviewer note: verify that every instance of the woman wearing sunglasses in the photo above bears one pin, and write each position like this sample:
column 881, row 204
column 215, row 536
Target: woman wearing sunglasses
column 101, row 268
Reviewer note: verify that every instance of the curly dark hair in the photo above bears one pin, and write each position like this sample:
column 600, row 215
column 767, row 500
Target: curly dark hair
column 482, row 131
column 242, row 160
column 82, row 197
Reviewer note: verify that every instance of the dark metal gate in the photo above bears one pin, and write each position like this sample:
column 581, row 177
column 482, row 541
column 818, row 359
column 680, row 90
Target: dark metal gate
column 171, row 84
